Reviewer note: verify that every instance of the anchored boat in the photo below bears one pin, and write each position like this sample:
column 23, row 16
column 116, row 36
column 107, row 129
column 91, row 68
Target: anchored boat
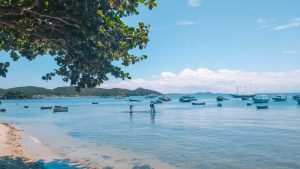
column 186, row 99
column 280, row 98
column 46, row 108
column 220, row 98
column 60, row 109
column 198, row 104
column 150, row 96
column 245, row 95
column 134, row 100
column 157, row 102
column 261, row 99
column 262, row 107
column 165, row 98
column 296, row 97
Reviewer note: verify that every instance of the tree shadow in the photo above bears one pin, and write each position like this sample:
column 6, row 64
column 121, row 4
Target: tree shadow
column 8, row 162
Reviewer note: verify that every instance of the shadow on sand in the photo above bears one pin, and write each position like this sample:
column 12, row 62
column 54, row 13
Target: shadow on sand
column 8, row 162
column 22, row 163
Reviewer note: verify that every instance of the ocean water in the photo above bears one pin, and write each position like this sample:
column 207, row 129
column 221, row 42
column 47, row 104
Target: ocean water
column 178, row 135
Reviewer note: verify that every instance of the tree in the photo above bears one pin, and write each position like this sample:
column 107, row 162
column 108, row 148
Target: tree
column 85, row 37
column 16, row 95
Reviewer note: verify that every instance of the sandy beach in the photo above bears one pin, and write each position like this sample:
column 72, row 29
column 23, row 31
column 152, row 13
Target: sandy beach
column 10, row 143
column 15, row 154
column 20, row 150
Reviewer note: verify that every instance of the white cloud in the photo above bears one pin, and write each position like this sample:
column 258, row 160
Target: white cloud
column 225, row 80
column 264, row 23
column 292, row 24
column 290, row 52
column 185, row 23
column 194, row 3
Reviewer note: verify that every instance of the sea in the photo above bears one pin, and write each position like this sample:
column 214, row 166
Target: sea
column 177, row 135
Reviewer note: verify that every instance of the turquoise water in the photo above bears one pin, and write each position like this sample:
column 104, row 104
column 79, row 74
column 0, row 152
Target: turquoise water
column 235, row 136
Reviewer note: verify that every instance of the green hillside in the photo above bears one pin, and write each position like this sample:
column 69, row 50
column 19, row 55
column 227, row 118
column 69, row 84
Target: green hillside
column 30, row 91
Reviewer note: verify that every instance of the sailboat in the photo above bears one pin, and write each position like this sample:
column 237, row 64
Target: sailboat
column 242, row 96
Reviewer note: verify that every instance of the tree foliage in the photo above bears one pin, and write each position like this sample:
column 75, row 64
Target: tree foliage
column 85, row 37
column 16, row 95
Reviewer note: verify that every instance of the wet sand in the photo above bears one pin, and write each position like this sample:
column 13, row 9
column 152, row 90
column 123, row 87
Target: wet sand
column 14, row 144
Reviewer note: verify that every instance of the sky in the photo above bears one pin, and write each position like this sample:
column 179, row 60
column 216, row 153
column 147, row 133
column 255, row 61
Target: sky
column 201, row 46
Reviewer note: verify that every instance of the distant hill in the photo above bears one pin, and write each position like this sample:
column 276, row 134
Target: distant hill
column 31, row 91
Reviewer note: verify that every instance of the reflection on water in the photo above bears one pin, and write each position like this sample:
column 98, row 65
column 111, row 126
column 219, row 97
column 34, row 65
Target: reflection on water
column 152, row 115
column 178, row 134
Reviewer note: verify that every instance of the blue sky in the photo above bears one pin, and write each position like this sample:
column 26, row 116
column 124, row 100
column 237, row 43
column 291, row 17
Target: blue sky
column 260, row 37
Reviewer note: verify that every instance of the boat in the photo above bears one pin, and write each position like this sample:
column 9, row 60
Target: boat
column 134, row 100
column 249, row 104
column 244, row 95
column 60, row 109
column 262, row 107
column 157, row 102
column 165, row 98
column 46, row 108
column 220, row 98
column 296, row 97
column 198, row 104
column 219, row 105
column 280, row 98
column 95, row 102
column 150, row 96
column 119, row 97
column 261, row 99
column 298, row 101
column 3, row 110
column 245, row 98
column 186, row 99
column 26, row 107
column 104, row 97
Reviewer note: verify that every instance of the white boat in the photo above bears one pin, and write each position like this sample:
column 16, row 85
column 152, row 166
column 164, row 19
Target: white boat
column 279, row 98
column 119, row 97
column 60, row 109
column 261, row 99
column 150, row 96
column 185, row 99
column 165, row 98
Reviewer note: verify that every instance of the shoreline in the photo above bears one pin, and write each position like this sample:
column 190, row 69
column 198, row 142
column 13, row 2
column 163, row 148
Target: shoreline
column 24, row 151
column 21, row 149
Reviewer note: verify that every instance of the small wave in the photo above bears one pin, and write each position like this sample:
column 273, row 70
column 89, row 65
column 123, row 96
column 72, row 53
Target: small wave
column 35, row 140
